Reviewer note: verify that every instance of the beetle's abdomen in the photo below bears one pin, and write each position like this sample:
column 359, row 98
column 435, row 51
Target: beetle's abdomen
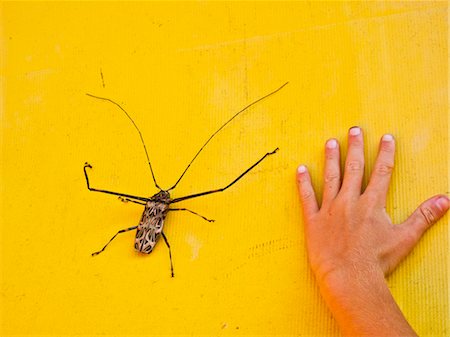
column 150, row 227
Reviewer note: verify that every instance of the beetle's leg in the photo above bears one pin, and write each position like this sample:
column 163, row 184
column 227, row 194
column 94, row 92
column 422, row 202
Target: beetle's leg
column 121, row 231
column 188, row 210
column 87, row 165
column 136, row 202
column 170, row 252
column 229, row 185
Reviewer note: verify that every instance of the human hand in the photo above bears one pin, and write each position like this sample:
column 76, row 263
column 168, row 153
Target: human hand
column 351, row 241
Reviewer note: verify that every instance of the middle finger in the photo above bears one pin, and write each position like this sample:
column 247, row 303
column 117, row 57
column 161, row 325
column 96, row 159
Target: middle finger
column 354, row 164
column 332, row 172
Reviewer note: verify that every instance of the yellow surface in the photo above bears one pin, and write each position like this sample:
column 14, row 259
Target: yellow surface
column 181, row 70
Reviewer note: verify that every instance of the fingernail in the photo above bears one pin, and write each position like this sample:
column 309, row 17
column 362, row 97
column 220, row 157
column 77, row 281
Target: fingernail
column 355, row 131
column 331, row 144
column 387, row 138
column 442, row 203
column 301, row 169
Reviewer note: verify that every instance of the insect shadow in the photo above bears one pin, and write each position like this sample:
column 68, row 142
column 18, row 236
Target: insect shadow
column 156, row 208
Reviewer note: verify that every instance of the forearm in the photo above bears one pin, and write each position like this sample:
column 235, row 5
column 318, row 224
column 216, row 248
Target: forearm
column 362, row 304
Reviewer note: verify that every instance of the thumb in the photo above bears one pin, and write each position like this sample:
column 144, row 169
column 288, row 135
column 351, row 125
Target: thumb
column 428, row 213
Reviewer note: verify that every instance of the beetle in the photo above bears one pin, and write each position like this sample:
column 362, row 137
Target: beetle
column 156, row 208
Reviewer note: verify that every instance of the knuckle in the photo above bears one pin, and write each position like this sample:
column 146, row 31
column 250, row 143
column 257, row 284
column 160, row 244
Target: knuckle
column 387, row 147
column 330, row 156
column 428, row 214
column 331, row 177
column 307, row 195
column 354, row 166
column 383, row 169
column 370, row 198
column 303, row 182
column 408, row 236
column 412, row 236
column 356, row 142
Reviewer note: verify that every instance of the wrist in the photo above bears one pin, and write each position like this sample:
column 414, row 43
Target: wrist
column 361, row 302
column 339, row 275
column 343, row 279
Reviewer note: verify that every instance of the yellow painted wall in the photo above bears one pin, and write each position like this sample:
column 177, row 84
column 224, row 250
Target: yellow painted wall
column 181, row 70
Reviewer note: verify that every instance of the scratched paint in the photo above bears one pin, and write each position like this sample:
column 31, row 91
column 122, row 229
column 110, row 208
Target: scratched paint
column 195, row 245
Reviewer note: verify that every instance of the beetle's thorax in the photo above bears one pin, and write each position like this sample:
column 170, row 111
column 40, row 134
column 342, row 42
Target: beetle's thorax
column 162, row 196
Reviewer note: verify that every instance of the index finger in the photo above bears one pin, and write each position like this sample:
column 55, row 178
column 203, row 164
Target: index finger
column 382, row 171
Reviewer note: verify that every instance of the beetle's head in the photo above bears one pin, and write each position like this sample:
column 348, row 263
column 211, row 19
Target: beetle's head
column 162, row 196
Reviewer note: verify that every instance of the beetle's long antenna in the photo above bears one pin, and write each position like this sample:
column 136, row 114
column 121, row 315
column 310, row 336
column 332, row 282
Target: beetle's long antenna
column 139, row 131
column 235, row 115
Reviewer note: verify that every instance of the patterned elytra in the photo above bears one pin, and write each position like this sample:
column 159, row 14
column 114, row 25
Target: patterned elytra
column 152, row 221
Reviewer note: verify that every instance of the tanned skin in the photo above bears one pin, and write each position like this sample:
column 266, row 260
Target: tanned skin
column 352, row 243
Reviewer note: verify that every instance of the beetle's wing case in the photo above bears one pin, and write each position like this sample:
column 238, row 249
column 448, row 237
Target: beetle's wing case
column 150, row 227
